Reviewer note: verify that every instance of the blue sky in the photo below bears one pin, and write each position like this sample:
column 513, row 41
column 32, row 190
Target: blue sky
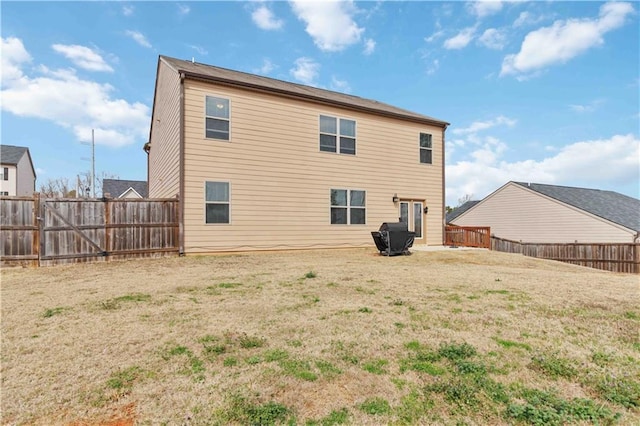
column 541, row 91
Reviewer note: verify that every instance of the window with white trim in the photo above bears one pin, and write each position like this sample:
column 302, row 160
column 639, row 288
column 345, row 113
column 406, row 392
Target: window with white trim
column 348, row 207
column 217, row 202
column 426, row 148
column 5, row 173
column 337, row 135
column 217, row 119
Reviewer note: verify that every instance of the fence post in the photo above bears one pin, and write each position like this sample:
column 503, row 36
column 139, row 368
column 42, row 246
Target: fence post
column 41, row 226
column 107, row 230
column 35, row 242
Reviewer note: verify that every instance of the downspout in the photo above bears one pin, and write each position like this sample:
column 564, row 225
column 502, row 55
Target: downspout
column 181, row 172
column 444, row 208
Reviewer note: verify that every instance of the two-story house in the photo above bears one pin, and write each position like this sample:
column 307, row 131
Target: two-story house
column 264, row 164
column 17, row 177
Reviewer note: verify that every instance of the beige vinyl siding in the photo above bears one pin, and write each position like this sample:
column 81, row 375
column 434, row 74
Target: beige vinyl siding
column 281, row 181
column 164, row 155
column 516, row 213
column 26, row 180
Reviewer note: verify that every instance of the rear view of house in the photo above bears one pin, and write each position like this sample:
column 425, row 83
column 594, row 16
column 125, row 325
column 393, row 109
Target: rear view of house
column 539, row 213
column 262, row 164
column 18, row 175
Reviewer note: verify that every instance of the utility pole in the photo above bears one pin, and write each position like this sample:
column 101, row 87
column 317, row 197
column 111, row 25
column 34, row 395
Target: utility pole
column 93, row 165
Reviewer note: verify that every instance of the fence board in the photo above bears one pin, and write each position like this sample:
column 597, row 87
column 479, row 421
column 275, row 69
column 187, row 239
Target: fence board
column 614, row 257
column 468, row 236
column 52, row 231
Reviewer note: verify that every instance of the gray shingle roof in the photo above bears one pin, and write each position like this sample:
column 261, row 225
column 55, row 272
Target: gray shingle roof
column 10, row 154
column 609, row 205
column 257, row 82
column 117, row 187
column 460, row 209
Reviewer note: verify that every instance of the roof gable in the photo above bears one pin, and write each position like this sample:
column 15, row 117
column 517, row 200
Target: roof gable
column 609, row 205
column 10, row 154
column 118, row 187
column 452, row 215
column 225, row 76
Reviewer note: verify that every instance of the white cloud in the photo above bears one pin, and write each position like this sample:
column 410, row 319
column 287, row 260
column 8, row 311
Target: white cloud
column 138, row 37
column 329, row 23
column 340, row 85
column 526, row 19
column 201, row 50
column 13, row 57
column 369, row 46
column 183, row 9
column 493, row 39
column 306, row 71
column 433, row 37
column 589, row 107
column 433, row 67
column 477, row 126
column 564, row 40
column 80, row 105
column 266, row 68
column 482, row 8
column 460, row 40
column 596, row 164
column 127, row 10
column 264, row 18
column 83, row 57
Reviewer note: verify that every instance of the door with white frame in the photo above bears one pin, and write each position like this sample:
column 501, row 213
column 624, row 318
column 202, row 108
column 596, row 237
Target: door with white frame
column 412, row 213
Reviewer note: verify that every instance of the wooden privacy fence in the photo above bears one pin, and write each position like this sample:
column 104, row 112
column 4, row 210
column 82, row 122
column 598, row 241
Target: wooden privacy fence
column 615, row 257
column 467, row 236
column 39, row 231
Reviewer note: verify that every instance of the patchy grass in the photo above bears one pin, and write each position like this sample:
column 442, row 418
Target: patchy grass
column 452, row 337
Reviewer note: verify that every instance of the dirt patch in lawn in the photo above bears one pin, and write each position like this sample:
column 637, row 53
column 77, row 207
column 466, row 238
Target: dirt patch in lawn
column 320, row 337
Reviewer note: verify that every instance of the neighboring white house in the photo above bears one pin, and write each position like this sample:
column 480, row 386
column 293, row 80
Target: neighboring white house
column 18, row 177
column 119, row 188
column 537, row 213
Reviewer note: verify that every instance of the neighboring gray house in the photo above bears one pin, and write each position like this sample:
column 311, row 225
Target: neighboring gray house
column 538, row 213
column 119, row 188
column 17, row 175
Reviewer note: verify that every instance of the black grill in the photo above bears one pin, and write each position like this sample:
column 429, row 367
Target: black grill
column 393, row 238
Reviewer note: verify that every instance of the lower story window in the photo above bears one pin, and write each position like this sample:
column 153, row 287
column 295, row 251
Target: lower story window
column 217, row 205
column 348, row 207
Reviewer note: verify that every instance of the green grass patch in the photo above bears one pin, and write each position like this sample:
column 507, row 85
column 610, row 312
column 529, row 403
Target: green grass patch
column 310, row 274
column 275, row 355
column 376, row 366
column 248, row 342
column 299, row 369
column 336, row 417
column 230, row 361
column 229, row 285
column 375, row 406
column 619, row 390
column 508, row 344
column 48, row 313
column 365, row 310
column 116, row 302
column 413, row 406
column 327, row 369
column 546, row 408
column 554, row 366
column 241, row 410
column 454, row 351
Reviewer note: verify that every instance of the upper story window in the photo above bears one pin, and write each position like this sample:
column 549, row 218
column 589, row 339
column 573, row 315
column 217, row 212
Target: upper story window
column 5, row 173
column 426, row 148
column 337, row 135
column 217, row 118
column 348, row 207
column 217, row 202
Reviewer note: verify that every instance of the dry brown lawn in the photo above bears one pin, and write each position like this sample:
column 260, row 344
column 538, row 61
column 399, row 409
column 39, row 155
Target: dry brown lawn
column 319, row 337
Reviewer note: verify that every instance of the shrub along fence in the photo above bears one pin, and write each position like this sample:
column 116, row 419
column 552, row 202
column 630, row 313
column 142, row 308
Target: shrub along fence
column 615, row 257
column 46, row 231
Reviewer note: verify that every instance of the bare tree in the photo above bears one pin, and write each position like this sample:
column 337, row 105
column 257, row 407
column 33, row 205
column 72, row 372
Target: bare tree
column 462, row 200
column 84, row 183
column 56, row 188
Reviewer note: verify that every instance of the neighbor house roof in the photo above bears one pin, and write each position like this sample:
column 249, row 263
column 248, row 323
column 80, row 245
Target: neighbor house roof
column 228, row 77
column 609, row 205
column 460, row 209
column 117, row 187
column 10, row 154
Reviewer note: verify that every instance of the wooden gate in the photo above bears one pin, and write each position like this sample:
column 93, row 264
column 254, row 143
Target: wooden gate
column 38, row 231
